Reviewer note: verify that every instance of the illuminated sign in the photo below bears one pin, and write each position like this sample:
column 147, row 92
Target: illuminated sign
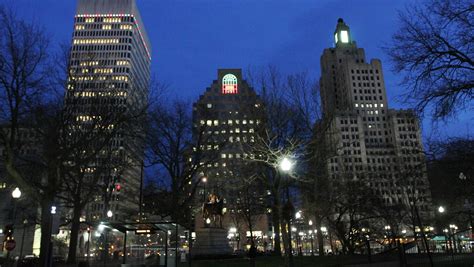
column 144, row 231
column 229, row 84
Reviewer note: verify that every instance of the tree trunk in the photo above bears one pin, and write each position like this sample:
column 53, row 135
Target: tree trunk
column 46, row 223
column 319, row 235
column 75, row 228
column 276, row 228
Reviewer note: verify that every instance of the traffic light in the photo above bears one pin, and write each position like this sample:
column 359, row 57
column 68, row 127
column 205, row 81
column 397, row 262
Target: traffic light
column 8, row 232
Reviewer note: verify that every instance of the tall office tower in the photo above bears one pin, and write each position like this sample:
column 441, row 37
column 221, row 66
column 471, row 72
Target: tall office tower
column 227, row 117
column 372, row 141
column 110, row 71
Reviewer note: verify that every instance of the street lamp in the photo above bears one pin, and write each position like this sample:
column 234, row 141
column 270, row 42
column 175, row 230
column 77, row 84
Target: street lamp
column 110, row 214
column 286, row 165
column 298, row 215
column 310, row 223
column 441, row 209
column 16, row 193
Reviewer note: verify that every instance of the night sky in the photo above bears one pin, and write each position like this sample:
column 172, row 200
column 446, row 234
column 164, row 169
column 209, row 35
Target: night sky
column 191, row 39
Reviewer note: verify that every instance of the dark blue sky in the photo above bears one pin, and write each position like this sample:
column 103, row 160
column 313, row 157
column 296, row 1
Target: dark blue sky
column 192, row 38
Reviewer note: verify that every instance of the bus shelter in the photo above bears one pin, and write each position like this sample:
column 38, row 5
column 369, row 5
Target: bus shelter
column 166, row 230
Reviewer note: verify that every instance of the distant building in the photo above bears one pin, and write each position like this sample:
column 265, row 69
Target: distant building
column 371, row 141
column 110, row 69
column 21, row 212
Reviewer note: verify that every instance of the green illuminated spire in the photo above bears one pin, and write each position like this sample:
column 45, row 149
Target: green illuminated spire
column 342, row 35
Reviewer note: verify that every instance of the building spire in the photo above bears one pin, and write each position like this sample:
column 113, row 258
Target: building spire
column 342, row 34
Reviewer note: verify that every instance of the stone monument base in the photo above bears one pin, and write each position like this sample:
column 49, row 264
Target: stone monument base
column 211, row 242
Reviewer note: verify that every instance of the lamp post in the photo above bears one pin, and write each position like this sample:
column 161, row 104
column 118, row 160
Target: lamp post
column 25, row 222
column 204, row 180
column 286, row 165
column 16, row 194
column 453, row 229
column 310, row 223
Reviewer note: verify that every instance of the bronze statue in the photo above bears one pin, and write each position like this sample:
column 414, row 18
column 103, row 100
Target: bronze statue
column 213, row 210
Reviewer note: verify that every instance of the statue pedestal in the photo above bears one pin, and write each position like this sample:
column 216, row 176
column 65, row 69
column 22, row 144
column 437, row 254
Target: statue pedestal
column 211, row 242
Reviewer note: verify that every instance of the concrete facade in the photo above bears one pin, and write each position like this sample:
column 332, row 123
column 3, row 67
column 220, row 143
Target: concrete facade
column 110, row 67
column 370, row 140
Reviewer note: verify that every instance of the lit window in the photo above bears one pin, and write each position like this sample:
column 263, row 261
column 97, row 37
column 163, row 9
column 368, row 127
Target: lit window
column 381, row 105
column 223, row 156
column 356, row 105
column 216, row 122
column 229, row 84
column 209, row 105
column 344, row 36
column 209, row 123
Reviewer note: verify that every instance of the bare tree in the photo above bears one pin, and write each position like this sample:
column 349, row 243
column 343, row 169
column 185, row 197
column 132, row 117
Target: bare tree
column 289, row 117
column 23, row 78
column 433, row 48
column 178, row 155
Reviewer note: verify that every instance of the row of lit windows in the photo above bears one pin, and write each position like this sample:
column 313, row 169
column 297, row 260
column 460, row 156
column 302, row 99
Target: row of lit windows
column 105, row 20
column 107, row 62
column 100, row 94
column 244, row 139
column 101, row 78
column 122, row 63
column 230, row 156
column 85, row 118
column 96, row 41
column 229, row 122
column 94, row 31
column 368, row 105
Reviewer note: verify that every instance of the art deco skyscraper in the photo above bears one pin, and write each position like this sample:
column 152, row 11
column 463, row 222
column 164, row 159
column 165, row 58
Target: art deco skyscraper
column 110, row 69
column 229, row 115
column 372, row 141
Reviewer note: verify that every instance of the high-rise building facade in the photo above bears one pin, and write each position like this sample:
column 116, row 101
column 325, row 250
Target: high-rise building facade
column 371, row 141
column 110, row 70
column 227, row 117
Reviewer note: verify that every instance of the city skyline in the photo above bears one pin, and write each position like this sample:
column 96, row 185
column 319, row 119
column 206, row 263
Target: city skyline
column 184, row 44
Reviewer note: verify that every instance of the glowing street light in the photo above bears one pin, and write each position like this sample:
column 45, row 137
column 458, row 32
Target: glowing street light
column 441, row 209
column 286, row 164
column 204, row 179
column 298, row 215
column 16, row 193
column 110, row 214
column 310, row 222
